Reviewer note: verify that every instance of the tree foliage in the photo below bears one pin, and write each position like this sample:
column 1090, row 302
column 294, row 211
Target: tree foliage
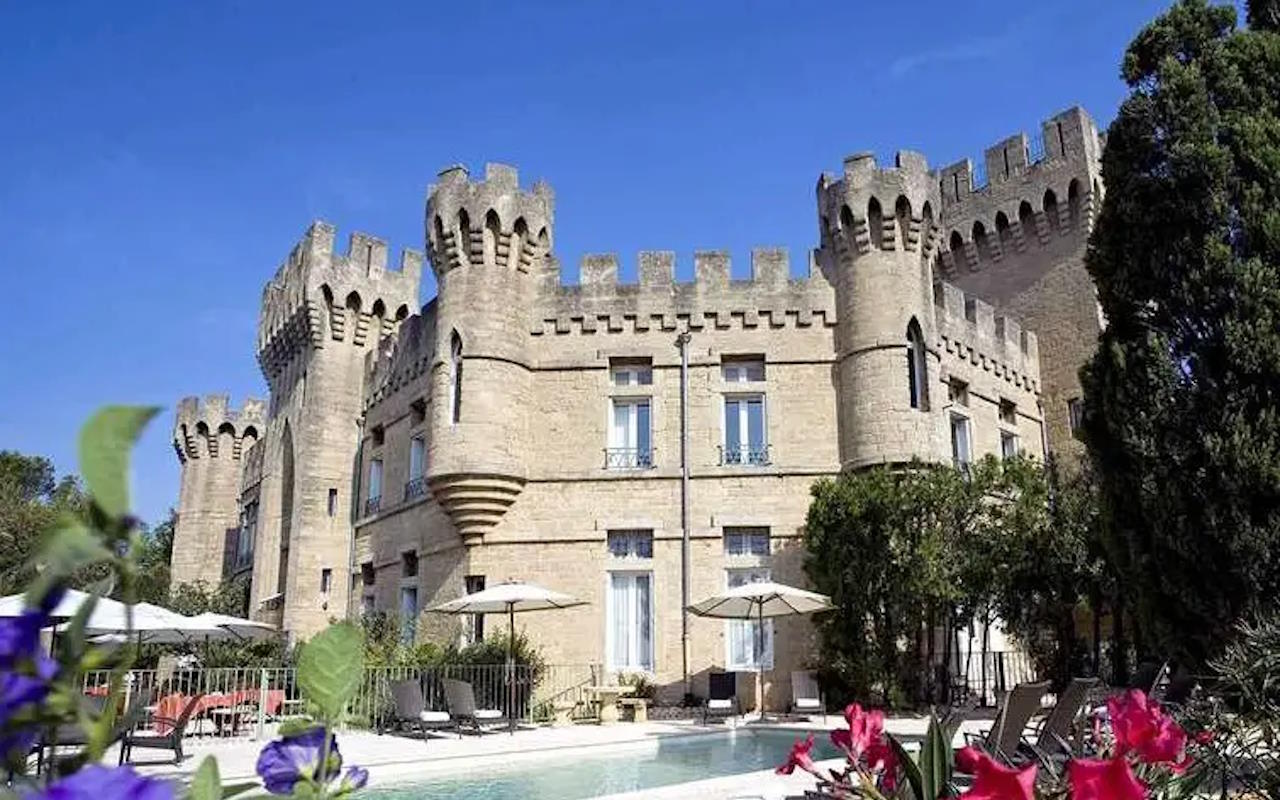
column 32, row 499
column 909, row 555
column 1183, row 395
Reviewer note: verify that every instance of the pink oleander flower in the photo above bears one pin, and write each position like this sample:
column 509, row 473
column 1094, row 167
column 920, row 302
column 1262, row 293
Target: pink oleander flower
column 1110, row 779
column 993, row 780
column 1141, row 727
column 799, row 757
column 881, row 756
column 865, row 728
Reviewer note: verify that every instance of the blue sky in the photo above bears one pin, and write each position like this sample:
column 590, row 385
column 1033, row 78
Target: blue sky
column 158, row 160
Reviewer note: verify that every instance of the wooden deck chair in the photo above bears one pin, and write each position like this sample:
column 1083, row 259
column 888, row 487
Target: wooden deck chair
column 806, row 695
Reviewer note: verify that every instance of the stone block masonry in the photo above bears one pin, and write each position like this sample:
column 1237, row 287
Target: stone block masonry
column 521, row 427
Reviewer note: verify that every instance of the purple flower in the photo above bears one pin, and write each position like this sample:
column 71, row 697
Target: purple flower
column 96, row 782
column 17, row 690
column 284, row 762
column 20, row 638
column 356, row 778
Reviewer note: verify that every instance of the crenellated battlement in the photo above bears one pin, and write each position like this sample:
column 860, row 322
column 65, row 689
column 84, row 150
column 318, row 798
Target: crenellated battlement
column 970, row 328
column 872, row 207
column 205, row 426
column 401, row 358
column 771, row 298
column 320, row 295
column 490, row 222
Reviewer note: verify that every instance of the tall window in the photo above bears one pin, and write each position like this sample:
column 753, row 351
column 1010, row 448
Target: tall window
column 917, row 375
column 248, row 532
column 374, row 502
column 326, row 580
column 1008, row 444
column 961, row 446
column 455, row 378
column 630, row 442
column 629, row 624
column 745, row 439
column 333, row 502
column 473, row 624
column 408, row 613
column 745, row 647
column 1075, row 415
column 409, row 564
column 416, row 486
column 631, row 374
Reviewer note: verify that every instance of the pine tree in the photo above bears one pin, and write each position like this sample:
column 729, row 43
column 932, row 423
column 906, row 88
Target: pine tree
column 1183, row 394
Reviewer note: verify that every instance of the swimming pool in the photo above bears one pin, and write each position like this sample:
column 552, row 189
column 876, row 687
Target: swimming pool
column 669, row 760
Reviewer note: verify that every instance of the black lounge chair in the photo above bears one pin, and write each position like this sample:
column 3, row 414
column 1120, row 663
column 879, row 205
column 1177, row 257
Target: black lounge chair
column 461, row 699
column 722, row 696
column 411, row 709
column 1005, row 734
column 170, row 740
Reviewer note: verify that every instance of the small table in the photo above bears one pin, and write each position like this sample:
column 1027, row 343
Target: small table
column 224, row 716
column 607, row 697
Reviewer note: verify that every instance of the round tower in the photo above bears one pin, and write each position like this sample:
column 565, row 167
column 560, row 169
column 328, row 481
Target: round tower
column 878, row 236
column 486, row 241
column 209, row 438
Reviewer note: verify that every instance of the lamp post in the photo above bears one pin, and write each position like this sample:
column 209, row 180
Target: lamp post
column 682, row 342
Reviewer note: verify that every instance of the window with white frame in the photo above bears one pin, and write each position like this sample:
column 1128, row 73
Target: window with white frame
column 631, row 544
column 631, row 374
column 408, row 613
column 629, row 622
column 748, row 646
column 743, row 370
column 1008, row 444
column 746, row 541
column 416, row 486
column 375, row 487
column 473, row 624
column 630, row 434
column 961, row 443
column 745, row 437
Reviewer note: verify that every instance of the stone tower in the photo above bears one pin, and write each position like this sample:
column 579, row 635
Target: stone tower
column 877, row 247
column 488, row 241
column 321, row 314
column 210, row 438
column 1014, row 232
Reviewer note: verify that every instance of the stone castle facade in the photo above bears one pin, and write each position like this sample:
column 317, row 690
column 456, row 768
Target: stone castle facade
column 516, row 427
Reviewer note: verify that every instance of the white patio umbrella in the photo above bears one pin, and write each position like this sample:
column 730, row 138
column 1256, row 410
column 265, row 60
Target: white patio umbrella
column 759, row 601
column 15, row 604
column 238, row 627
column 508, row 598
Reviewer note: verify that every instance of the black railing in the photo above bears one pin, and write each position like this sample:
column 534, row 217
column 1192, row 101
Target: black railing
column 372, row 505
column 415, row 488
column 628, row 458
column 755, row 455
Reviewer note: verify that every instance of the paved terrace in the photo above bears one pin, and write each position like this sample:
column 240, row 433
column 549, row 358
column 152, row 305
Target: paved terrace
column 394, row 758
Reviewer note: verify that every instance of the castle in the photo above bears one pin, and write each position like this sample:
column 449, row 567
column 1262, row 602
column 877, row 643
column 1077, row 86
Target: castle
column 516, row 427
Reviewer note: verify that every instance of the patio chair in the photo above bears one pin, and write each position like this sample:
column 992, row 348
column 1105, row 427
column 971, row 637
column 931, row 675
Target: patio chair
column 722, row 696
column 69, row 735
column 171, row 739
column 1151, row 677
column 1053, row 741
column 461, row 700
column 411, row 709
column 806, row 695
column 1020, row 705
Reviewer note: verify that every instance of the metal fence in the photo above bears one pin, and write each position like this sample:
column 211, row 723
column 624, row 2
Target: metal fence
column 239, row 702
column 985, row 677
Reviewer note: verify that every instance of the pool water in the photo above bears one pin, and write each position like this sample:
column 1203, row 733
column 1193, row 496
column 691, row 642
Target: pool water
column 678, row 759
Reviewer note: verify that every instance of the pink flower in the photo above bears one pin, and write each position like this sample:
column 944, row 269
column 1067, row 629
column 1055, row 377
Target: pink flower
column 1141, row 727
column 881, row 756
column 1203, row 737
column 865, row 728
column 799, row 757
column 993, row 780
column 1112, row 779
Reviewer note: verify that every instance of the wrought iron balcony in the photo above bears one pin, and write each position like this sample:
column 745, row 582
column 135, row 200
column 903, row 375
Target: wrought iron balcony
column 755, row 455
column 372, row 505
column 628, row 458
column 415, row 488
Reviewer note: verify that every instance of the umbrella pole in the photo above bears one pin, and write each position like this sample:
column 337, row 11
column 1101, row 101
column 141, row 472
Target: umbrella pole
column 760, row 658
column 511, row 687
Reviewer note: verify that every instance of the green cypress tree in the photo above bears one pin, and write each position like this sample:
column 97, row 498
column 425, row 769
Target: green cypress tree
column 1183, row 394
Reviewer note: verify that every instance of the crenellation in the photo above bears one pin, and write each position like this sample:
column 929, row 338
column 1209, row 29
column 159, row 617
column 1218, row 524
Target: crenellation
column 208, row 418
column 993, row 339
column 599, row 270
column 712, row 269
column 770, row 266
column 657, row 269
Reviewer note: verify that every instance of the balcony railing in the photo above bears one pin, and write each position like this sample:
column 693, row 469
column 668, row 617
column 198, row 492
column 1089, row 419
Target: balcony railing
column 628, row 458
column 754, row 455
column 372, row 505
column 415, row 488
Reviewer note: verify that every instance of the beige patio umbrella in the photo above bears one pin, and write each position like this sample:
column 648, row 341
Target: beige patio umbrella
column 508, row 598
column 759, row 601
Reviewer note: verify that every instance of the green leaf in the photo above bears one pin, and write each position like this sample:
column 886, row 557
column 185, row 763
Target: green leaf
column 105, row 443
column 330, row 668
column 910, row 768
column 69, row 546
column 295, row 727
column 935, row 761
column 233, row 789
column 205, row 784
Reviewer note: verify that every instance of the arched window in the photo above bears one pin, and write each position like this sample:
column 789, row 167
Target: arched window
column 980, row 241
column 957, row 244
column 519, row 236
column 1073, row 202
column 902, row 212
column 1051, row 208
column 464, row 235
column 917, row 373
column 455, row 377
column 1003, row 231
column 492, row 230
column 875, row 223
column 1027, row 219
